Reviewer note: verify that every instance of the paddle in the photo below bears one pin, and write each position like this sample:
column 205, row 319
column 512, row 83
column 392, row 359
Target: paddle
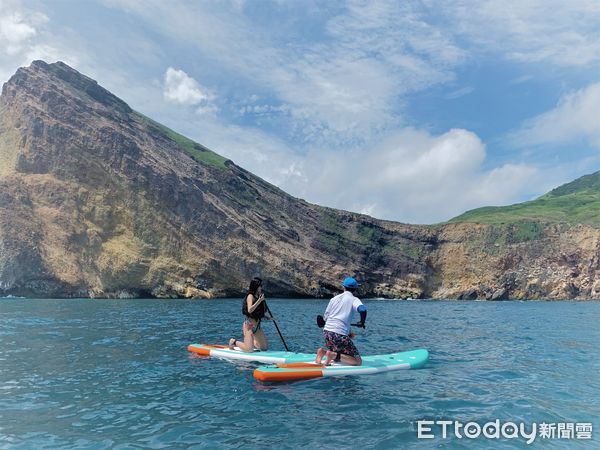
column 276, row 327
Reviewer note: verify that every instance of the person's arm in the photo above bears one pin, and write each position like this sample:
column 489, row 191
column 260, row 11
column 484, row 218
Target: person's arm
column 362, row 310
column 250, row 300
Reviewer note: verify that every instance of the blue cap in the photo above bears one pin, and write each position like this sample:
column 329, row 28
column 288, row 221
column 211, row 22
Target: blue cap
column 350, row 283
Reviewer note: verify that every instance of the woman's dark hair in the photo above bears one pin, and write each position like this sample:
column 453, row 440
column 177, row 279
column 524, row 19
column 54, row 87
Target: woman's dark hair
column 254, row 285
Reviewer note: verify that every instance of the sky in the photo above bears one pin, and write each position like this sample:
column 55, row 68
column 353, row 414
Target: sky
column 412, row 111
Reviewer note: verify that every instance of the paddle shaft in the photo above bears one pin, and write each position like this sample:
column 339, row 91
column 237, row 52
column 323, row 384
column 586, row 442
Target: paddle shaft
column 276, row 326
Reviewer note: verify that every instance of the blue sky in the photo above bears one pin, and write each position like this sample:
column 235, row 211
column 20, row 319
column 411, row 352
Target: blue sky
column 408, row 111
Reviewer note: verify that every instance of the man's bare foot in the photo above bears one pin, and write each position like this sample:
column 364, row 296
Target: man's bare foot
column 320, row 354
column 232, row 344
column 330, row 357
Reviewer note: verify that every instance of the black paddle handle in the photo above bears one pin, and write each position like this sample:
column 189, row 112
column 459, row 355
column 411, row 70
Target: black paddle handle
column 276, row 327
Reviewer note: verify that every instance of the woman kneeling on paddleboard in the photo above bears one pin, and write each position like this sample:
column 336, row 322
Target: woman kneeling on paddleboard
column 336, row 330
column 254, row 308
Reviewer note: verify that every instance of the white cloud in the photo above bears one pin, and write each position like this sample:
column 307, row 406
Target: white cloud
column 183, row 89
column 347, row 88
column 412, row 176
column 17, row 27
column 264, row 110
column 51, row 53
column 24, row 37
column 577, row 116
column 18, row 30
column 341, row 89
column 557, row 32
column 14, row 32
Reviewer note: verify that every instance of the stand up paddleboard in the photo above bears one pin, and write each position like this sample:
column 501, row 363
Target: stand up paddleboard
column 267, row 357
column 414, row 359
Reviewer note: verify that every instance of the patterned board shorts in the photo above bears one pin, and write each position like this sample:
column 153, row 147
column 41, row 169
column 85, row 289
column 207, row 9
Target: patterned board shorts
column 339, row 343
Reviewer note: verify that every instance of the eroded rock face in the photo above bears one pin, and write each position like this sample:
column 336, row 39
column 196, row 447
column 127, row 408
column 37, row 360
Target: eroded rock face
column 558, row 263
column 97, row 200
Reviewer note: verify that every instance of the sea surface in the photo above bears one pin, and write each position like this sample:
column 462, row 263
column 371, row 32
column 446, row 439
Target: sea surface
column 95, row 374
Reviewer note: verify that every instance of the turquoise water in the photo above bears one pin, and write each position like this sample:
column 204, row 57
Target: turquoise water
column 116, row 374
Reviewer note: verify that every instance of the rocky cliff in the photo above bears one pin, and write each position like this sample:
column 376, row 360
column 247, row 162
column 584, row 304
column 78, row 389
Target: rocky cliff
column 99, row 200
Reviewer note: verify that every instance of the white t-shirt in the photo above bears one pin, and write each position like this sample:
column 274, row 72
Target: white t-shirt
column 339, row 311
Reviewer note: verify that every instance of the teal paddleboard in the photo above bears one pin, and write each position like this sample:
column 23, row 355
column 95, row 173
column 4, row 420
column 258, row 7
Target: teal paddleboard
column 371, row 364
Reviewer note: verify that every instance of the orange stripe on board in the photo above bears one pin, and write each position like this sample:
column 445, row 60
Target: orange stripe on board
column 199, row 350
column 287, row 375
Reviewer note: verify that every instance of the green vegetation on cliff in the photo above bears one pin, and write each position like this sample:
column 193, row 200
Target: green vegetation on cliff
column 577, row 202
column 200, row 153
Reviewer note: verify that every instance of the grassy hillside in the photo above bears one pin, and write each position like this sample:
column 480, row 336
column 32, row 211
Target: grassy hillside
column 572, row 203
column 200, row 153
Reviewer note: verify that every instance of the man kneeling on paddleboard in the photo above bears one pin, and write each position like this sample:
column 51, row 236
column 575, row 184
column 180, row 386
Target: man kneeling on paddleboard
column 336, row 326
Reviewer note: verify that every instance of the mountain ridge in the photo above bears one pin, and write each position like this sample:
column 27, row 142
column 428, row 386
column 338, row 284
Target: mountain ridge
column 576, row 202
column 97, row 200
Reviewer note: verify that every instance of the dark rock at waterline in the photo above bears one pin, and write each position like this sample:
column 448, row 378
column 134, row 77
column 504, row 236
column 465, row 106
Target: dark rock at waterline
column 470, row 294
column 500, row 294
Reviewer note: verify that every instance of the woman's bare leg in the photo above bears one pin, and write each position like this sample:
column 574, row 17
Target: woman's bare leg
column 260, row 340
column 248, row 344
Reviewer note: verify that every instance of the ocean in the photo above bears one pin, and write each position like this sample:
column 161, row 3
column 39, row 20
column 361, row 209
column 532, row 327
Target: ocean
column 116, row 374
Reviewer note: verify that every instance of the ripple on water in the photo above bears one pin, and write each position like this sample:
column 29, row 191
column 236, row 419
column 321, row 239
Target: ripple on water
column 116, row 374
